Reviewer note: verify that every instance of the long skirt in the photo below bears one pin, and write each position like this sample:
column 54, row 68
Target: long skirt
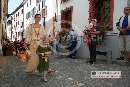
column 32, row 63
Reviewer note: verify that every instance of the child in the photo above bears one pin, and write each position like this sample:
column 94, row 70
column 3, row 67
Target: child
column 44, row 51
column 90, row 38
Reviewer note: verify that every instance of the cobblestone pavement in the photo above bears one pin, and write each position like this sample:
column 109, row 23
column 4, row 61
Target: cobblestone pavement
column 70, row 73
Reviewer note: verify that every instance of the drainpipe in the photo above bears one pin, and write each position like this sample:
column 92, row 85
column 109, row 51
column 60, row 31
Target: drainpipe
column 44, row 22
column 57, row 10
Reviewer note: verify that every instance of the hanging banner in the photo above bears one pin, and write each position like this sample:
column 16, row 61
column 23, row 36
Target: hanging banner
column 44, row 12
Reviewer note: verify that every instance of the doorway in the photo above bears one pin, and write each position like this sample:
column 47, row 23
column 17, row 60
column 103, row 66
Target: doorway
column 66, row 18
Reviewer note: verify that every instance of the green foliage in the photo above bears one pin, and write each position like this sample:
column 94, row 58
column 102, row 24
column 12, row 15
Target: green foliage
column 107, row 11
column 104, row 18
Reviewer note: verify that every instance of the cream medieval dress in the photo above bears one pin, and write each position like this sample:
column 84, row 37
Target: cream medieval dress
column 34, row 37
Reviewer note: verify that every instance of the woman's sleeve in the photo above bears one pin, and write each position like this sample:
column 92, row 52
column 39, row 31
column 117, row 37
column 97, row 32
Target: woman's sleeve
column 28, row 35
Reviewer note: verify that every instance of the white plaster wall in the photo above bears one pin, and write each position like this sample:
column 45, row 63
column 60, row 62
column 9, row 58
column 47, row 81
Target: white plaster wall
column 80, row 20
column 25, row 12
column 51, row 10
column 20, row 19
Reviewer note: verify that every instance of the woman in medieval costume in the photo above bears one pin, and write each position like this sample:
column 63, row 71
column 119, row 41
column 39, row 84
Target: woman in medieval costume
column 36, row 37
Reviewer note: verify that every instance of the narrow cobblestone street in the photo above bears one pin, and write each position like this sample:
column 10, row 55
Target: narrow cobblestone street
column 70, row 73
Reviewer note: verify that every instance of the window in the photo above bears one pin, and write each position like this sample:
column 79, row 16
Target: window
column 39, row 7
column 18, row 34
column 22, row 11
column 30, row 2
column 14, row 18
column 33, row 11
column 18, row 13
column 27, row 4
column 28, row 15
column 21, row 24
column 18, row 22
